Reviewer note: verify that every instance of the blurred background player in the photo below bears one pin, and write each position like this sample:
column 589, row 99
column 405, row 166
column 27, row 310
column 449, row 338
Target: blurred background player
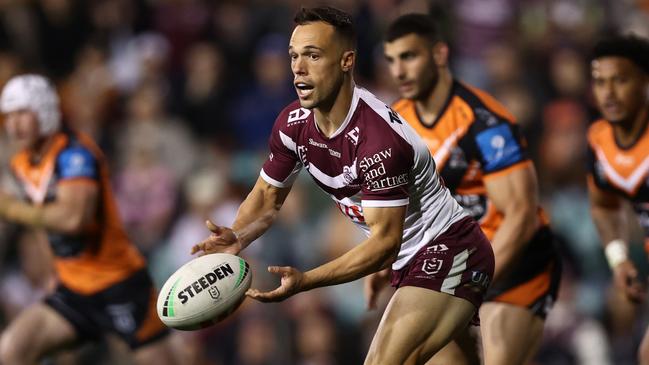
column 104, row 286
column 382, row 177
column 483, row 160
column 619, row 156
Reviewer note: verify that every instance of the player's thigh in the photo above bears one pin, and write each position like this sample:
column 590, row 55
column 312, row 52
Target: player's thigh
column 37, row 331
column 510, row 333
column 416, row 324
column 463, row 350
column 159, row 352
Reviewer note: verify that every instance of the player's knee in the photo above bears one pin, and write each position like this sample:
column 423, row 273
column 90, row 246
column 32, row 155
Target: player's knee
column 12, row 350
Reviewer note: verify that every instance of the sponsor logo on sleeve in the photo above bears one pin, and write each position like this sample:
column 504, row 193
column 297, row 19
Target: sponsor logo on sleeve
column 297, row 116
column 499, row 147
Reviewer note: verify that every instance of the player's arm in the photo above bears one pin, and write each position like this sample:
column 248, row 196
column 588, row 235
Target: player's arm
column 256, row 214
column 72, row 211
column 515, row 195
column 379, row 251
column 607, row 210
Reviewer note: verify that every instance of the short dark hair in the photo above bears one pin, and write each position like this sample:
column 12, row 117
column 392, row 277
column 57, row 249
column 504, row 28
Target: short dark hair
column 631, row 47
column 340, row 20
column 421, row 24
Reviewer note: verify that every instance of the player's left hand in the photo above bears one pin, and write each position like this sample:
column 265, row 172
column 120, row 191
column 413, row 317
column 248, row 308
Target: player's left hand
column 291, row 283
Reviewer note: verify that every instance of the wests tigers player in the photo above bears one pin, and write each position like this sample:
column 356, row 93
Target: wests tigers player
column 381, row 175
column 104, row 286
column 619, row 155
column 482, row 158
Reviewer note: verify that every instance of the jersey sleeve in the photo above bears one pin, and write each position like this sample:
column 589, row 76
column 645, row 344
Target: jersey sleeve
column 77, row 162
column 595, row 171
column 385, row 175
column 283, row 164
column 499, row 144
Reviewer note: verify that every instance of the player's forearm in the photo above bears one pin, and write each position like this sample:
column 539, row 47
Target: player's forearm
column 516, row 230
column 610, row 223
column 373, row 255
column 50, row 217
column 256, row 215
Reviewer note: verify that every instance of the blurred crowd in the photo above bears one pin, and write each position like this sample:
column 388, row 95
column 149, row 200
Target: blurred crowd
column 182, row 95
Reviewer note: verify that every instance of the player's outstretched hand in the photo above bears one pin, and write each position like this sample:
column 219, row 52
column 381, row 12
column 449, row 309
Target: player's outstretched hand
column 373, row 285
column 626, row 278
column 222, row 240
column 291, row 283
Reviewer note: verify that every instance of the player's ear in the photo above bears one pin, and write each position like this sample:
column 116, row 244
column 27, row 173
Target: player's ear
column 347, row 60
column 440, row 54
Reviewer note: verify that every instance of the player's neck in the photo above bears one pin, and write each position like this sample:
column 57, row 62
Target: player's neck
column 40, row 148
column 628, row 132
column 330, row 117
column 430, row 108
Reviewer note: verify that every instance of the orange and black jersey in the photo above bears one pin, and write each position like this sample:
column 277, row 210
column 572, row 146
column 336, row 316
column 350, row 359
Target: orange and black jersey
column 473, row 139
column 621, row 170
column 100, row 256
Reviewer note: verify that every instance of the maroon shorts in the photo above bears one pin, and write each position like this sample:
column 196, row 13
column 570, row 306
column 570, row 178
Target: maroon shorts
column 459, row 262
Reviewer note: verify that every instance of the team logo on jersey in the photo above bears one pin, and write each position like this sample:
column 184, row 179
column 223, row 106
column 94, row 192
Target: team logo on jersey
column 432, row 266
column 353, row 135
column 348, row 175
column 624, row 160
column 297, row 116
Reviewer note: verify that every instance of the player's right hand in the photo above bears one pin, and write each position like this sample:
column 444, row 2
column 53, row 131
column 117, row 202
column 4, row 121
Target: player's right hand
column 373, row 285
column 222, row 240
column 626, row 278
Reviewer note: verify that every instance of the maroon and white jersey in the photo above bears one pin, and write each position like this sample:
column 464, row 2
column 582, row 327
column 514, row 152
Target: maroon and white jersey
column 375, row 159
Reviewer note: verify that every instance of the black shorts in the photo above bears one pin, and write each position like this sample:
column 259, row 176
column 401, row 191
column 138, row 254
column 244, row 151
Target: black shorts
column 127, row 309
column 533, row 282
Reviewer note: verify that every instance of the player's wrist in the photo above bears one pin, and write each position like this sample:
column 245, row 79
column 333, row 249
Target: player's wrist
column 616, row 252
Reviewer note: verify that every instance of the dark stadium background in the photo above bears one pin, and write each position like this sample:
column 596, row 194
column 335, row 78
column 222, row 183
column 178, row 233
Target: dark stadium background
column 181, row 94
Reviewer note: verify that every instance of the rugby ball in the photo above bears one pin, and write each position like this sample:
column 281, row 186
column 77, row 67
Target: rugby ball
column 204, row 291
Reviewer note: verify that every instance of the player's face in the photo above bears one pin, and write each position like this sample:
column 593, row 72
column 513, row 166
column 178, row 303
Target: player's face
column 317, row 63
column 22, row 127
column 412, row 66
column 619, row 87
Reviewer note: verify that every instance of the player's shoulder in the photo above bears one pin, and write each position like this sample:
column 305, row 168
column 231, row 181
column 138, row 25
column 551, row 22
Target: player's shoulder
column 379, row 125
column 599, row 131
column 293, row 115
column 371, row 108
column 486, row 109
column 78, row 152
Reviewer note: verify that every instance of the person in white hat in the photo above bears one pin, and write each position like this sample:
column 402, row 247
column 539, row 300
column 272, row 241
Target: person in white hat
column 103, row 284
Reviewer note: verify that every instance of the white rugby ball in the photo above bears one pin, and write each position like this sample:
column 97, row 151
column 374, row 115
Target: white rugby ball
column 204, row 291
